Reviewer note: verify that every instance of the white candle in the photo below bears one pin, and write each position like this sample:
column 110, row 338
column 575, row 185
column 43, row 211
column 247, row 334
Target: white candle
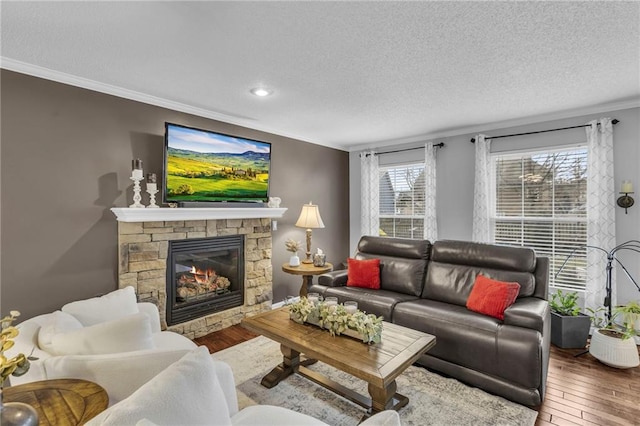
column 351, row 307
column 137, row 173
column 152, row 187
column 313, row 298
column 331, row 302
column 627, row 186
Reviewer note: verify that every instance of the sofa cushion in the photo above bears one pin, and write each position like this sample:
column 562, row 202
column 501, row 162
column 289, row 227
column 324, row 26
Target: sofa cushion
column 378, row 302
column 491, row 256
column 395, row 247
column 126, row 334
column 404, row 260
column 186, row 393
column 399, row 274
column 455, row 264
column 119, row 374
column 492, row 297
column 363, row 273
column 453, row 283
column 60, row 322
column 117, row 304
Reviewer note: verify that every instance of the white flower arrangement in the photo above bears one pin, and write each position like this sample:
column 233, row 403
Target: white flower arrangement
column 337, row 320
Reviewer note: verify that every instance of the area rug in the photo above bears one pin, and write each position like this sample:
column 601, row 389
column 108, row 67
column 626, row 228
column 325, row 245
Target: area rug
column 433, row 399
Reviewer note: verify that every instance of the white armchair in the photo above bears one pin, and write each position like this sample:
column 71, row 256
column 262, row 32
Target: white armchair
column 196, row 390
column 114, row 348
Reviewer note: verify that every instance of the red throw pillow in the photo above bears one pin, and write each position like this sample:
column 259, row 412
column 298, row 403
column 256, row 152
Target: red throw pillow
column 492, row 297
column 363, row 273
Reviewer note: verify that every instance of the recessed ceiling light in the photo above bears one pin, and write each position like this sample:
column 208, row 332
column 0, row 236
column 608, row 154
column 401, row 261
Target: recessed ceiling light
column 261, row 91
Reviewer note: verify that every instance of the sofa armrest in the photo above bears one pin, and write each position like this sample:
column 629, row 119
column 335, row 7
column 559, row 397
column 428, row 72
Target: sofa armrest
column 528, row 312
column 333, row 278
column 152, row 312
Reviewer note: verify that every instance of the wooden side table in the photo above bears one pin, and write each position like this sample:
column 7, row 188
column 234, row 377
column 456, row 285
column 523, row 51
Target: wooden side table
column 61, row 401
column 307, row 270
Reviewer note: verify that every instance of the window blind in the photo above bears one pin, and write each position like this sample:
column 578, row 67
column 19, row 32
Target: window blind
column 540, row 202
column 402, row 198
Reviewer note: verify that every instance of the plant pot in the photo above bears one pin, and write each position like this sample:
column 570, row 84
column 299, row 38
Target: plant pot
column 613, row 351
column 569, row 332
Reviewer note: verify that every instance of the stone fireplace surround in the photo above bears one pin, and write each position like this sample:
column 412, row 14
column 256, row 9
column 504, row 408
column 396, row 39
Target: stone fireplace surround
column 143, row 236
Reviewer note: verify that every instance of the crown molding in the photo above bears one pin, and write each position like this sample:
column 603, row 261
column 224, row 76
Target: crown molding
column 96, row 86
column 72, row 80
column 497, row 125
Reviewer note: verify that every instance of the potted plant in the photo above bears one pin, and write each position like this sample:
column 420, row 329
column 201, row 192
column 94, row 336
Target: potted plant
column 569, row 327
column 611, row 344
column 631, row 314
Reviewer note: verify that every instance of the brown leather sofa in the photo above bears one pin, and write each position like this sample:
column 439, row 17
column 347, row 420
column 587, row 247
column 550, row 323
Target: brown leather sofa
column 425, row 287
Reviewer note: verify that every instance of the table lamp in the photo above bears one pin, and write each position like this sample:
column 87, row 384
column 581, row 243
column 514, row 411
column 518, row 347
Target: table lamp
column 309, row 218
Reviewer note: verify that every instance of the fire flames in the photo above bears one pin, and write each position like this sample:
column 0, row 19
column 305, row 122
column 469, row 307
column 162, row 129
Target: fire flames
column 203, row 276
column 199, row 282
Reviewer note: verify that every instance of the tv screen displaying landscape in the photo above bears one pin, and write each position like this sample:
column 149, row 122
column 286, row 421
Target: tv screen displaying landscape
column 201, row 165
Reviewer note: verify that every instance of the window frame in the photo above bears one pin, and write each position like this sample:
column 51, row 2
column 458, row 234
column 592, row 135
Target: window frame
column 522, row 219
column 421, row 217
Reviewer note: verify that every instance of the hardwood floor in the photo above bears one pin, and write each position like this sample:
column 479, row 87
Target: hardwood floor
column 583, row 391
column 580, row 390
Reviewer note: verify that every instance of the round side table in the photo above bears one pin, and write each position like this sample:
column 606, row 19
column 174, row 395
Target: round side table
column 307, row 270
column 61, row 401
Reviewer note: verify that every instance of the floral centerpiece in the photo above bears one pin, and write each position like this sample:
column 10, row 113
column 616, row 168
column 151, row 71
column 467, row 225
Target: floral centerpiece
column 337, row 320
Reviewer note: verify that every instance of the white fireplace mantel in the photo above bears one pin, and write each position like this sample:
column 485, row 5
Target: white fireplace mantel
column 126, row 214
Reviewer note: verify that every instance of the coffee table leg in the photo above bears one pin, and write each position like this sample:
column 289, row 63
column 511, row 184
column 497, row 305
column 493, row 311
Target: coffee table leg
column 290, row 363
column 386, row 398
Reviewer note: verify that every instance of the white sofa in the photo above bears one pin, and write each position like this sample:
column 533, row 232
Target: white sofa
column 191, row 392
column 152, row 377
column 115, row 342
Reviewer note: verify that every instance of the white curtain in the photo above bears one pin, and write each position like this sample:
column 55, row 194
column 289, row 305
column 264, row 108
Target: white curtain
column 601, row 221
column 430, row 221
column 370, row 195
column 481, row 231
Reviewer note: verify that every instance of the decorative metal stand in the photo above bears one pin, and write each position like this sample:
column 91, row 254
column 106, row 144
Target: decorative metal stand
column 136, row 192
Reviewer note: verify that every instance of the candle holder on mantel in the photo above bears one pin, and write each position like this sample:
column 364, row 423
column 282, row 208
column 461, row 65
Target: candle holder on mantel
column 152, row 190
column 136, row 192
column 136, row 177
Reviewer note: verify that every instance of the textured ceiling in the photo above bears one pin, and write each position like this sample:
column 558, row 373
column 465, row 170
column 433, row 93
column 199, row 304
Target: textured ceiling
column 344, row 74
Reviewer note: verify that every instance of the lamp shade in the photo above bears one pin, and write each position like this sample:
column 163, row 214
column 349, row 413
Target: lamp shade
column 310, row 217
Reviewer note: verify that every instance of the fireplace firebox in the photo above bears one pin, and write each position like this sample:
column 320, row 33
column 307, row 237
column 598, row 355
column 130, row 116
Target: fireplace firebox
column 204, row 276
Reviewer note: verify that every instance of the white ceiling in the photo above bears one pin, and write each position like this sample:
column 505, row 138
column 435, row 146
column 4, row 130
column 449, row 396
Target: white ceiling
column 345, row 74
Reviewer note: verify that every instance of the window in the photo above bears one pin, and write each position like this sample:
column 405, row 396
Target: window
column 402, row 201
column 540, row 201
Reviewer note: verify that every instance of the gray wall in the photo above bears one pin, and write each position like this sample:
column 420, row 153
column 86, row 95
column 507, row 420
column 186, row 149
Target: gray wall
column 455, row 176
column 65, row 160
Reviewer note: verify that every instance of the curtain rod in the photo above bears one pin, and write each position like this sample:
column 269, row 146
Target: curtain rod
column 473, row 140
column 436, row 145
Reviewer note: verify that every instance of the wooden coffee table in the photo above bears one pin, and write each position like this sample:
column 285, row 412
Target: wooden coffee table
column 378, row 364
column 60, row 401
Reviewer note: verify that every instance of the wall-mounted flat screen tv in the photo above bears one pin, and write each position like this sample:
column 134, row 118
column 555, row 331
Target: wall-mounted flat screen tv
column 205, row 166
